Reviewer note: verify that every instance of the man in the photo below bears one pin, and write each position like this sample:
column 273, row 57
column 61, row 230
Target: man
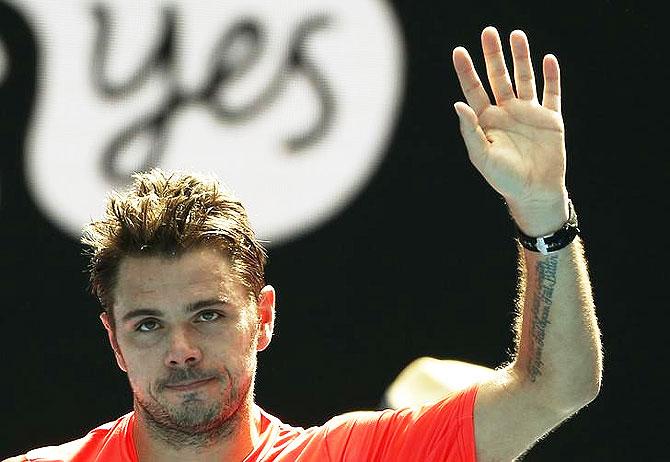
column 180, row 276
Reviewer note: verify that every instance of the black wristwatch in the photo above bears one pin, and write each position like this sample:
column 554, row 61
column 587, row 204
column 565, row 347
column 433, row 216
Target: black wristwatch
column 554, row 241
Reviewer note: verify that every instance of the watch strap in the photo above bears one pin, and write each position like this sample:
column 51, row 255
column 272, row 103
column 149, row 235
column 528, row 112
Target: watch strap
column 555, row 241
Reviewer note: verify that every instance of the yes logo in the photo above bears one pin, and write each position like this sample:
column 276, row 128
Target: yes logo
column 290, row 104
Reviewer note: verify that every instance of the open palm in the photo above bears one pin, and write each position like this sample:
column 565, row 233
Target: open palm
column 517, row 144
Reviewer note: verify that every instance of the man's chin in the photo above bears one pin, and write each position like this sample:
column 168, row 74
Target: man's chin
column 194, row 418
column 189, row 412
column 192, row 414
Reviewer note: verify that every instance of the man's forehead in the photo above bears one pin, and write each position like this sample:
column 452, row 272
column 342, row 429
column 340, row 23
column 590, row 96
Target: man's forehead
column 200, row 272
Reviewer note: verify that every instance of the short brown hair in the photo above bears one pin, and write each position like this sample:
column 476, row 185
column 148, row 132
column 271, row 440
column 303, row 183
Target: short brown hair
column 166, row 214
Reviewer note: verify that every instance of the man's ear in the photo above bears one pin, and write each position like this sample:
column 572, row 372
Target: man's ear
column 111, row 335
column 266, row 313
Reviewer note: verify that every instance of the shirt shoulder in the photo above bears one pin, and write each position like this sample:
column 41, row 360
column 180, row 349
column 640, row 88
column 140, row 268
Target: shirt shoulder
column 111, row 441
column 440, row 431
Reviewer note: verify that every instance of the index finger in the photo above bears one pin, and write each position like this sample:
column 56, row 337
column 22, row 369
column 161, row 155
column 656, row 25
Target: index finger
column 471, row 85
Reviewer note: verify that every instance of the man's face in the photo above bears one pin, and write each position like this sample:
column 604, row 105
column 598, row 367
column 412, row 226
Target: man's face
column 186, row 332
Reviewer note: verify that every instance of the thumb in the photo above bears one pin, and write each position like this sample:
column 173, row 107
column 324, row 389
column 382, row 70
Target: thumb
column 473, row 135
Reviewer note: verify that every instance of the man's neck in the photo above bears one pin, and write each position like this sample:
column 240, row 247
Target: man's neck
column 233, row 446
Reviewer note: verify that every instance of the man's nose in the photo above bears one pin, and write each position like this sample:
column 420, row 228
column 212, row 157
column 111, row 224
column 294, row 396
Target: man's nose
column 182, row 350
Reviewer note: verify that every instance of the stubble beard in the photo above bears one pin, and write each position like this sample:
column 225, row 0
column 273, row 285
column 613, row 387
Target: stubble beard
column 194, row 422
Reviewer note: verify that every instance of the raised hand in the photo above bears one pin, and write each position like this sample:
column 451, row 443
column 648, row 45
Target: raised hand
column 517, row 144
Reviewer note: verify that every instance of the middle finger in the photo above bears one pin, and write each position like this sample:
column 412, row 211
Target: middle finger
column 499, row 79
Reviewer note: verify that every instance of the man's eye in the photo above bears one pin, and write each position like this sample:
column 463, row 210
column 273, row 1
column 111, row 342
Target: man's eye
column 148, row 325
column 208, row 316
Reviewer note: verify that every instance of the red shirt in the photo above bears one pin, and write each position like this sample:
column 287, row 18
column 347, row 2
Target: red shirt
column 442, row 431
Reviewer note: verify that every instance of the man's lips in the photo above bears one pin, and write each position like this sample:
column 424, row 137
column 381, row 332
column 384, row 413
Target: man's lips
column 185, row 386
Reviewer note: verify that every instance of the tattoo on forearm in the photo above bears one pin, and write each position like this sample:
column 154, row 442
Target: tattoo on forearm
column 542, row 301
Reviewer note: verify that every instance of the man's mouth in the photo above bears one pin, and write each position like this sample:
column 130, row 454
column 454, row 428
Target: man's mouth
column 189, row 385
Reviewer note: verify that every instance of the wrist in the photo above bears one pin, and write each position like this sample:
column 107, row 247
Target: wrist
column 554, row 241
column 541, row 218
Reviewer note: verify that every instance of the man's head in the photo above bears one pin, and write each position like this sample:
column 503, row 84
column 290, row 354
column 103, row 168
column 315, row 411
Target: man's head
column 180, row 276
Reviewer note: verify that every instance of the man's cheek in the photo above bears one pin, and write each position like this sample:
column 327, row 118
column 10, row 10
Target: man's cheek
column 139, row 377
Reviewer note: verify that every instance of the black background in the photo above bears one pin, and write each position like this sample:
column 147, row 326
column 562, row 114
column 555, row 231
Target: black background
column 421, row 263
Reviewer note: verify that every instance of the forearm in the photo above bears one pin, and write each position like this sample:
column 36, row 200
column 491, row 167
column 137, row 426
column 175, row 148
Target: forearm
column 558, row 340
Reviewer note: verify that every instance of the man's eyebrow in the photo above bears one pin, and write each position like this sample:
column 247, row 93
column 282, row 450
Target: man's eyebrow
column 139, row 312
column 191, row 307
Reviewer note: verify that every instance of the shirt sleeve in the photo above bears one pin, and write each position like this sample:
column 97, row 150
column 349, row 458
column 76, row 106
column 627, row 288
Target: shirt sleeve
column 441, row 431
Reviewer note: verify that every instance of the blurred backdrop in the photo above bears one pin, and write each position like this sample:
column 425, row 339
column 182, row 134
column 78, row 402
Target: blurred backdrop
column 333, row 121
